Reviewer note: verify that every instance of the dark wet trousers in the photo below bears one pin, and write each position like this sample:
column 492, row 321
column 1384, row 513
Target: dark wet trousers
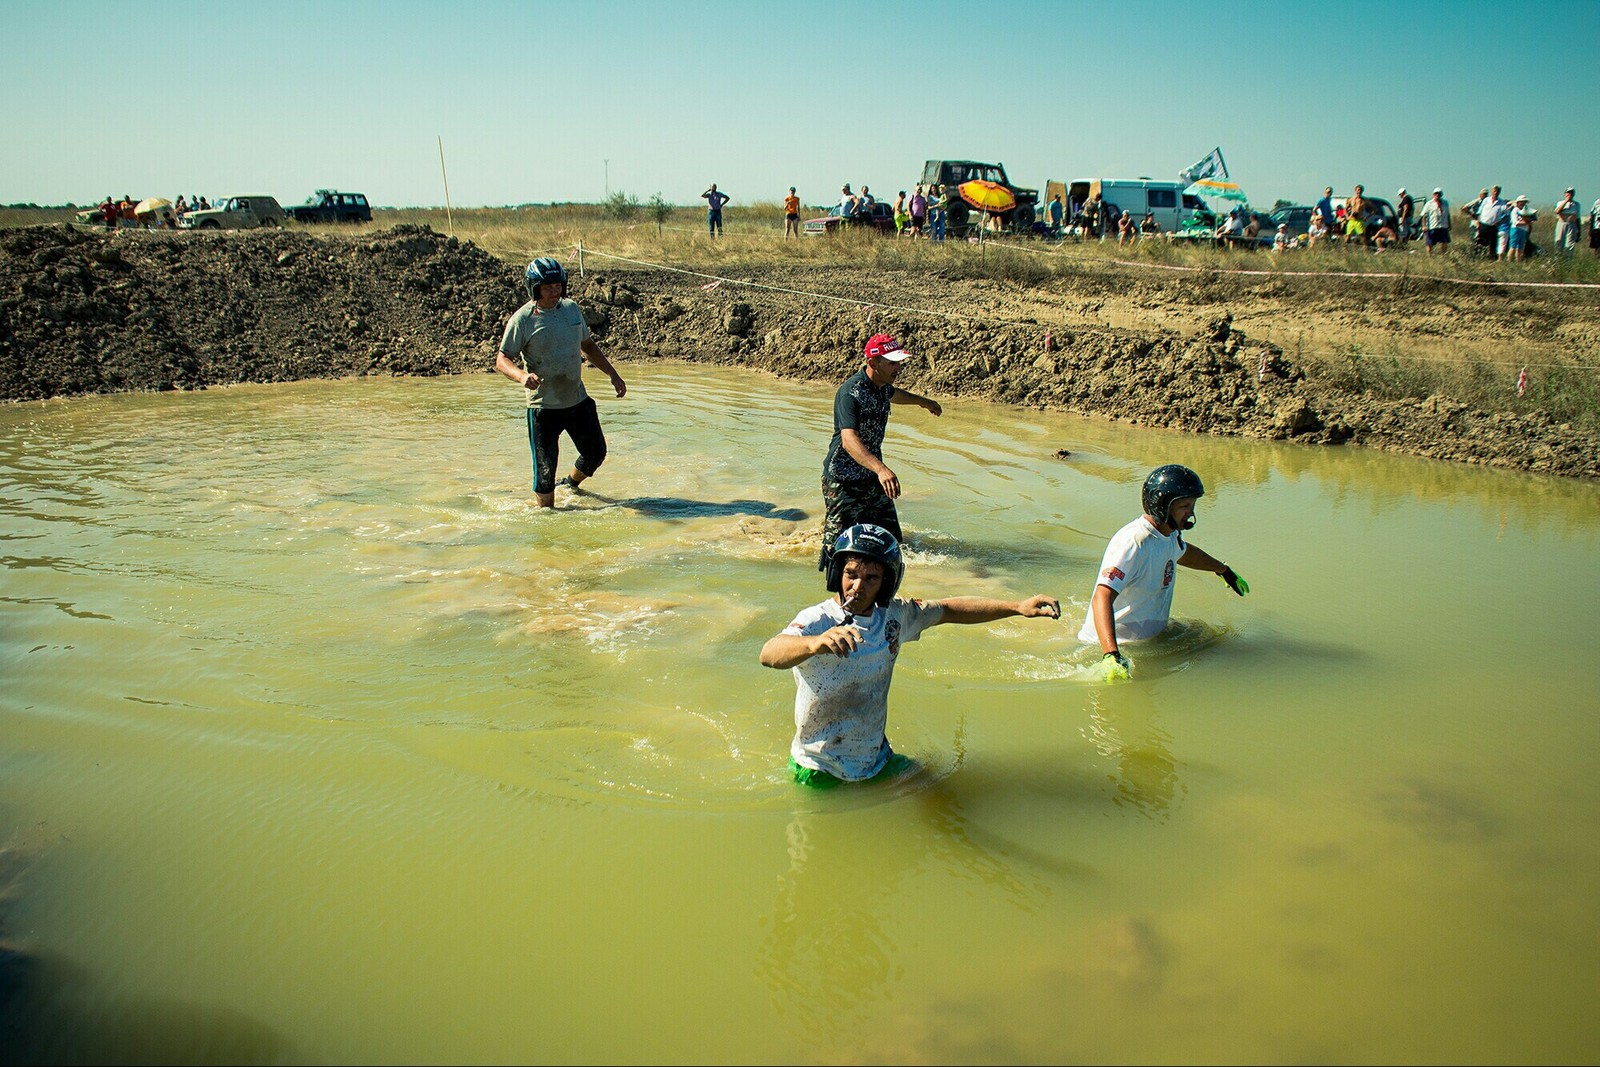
column 848, row 503
column 581, row 422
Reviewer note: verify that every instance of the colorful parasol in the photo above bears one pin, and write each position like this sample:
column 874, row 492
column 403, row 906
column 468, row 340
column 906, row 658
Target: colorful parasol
column 152, row 205
column 1223, row 190
column 987, row 196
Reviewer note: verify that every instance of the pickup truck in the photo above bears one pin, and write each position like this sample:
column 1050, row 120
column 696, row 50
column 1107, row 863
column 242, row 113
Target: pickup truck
column 330, row 205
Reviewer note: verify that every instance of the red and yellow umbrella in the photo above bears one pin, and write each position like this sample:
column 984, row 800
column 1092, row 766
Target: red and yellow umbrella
column 987, row 196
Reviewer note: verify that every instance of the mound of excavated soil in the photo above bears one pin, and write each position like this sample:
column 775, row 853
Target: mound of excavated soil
column 85, row 312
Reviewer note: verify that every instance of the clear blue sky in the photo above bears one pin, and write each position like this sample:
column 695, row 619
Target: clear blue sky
column 533, row 98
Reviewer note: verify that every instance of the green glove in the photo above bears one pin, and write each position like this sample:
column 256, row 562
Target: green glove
column 1236, row 583
column 1116, row 667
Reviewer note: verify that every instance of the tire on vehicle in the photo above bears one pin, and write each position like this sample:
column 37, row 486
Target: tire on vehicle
column 958, row 217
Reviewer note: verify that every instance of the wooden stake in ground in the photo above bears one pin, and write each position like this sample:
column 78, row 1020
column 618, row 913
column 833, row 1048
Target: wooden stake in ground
column 449, row 214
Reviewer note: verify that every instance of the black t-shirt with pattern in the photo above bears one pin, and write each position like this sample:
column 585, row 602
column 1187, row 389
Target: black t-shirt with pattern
column 861, row 406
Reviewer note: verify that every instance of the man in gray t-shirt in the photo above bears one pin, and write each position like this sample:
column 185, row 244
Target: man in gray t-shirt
column 543, row 350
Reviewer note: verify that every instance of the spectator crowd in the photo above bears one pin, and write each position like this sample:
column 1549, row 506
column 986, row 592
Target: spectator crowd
column 162, row 215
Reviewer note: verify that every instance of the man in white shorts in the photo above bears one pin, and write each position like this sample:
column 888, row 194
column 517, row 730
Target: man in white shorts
column 844, row 650
column 1132, row 598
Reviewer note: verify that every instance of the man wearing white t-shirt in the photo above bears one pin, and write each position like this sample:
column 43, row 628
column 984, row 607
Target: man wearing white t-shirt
column 1132, row 598
column 843, row 652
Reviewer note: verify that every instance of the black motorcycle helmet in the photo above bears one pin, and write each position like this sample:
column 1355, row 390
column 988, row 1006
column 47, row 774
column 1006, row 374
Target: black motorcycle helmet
column 868, row 542
column 542, row 270
column 1166, row 484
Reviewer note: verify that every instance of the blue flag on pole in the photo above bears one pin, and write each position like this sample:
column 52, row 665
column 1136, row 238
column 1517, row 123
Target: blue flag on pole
column 1209, row 166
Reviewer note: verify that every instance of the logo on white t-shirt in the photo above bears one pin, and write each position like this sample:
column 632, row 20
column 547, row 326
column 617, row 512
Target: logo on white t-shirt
column 1166, row 575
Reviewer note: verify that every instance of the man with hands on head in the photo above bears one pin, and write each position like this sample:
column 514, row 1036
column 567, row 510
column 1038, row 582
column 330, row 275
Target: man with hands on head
column 543, row 350
column 1132, row 598
column 843, row 653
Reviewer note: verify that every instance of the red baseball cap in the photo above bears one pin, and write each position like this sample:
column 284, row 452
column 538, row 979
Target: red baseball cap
column 882, row 346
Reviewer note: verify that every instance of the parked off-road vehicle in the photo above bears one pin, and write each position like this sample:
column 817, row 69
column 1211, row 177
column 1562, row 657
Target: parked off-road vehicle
column 236, row 213
column 952, row 172
column 330, row 205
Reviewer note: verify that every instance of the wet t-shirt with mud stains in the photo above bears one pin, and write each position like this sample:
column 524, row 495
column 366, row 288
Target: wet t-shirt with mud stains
column 547, row 343
column 841, row 703
column 861, row 406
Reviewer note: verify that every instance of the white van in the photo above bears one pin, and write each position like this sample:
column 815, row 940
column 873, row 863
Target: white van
column 1172, row 207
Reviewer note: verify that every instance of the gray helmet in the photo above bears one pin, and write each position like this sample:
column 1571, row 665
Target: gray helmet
column 1166, row 484
column 868, row 542
column 542, row 270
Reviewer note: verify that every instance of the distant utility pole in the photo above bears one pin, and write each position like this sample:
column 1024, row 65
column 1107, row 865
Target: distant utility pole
column 608, row 178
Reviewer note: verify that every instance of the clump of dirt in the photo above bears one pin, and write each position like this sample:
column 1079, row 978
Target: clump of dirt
column 85, row 312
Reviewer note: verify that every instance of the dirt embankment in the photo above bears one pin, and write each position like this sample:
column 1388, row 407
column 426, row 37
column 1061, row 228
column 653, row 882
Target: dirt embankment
column 85, row 312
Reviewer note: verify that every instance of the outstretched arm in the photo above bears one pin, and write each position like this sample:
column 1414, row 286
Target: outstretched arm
column 906, row 396
column 1201, row 560
column 1197, row 558
column 971, row 609
column 603, row 365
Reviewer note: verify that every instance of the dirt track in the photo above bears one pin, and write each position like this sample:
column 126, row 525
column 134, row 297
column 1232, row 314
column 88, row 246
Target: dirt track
column 86, row 312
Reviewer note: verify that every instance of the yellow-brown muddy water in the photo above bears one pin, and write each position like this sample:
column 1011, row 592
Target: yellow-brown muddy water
column 323, row 746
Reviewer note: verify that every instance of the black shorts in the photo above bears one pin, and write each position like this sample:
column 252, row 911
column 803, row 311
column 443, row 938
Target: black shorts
column 581, row 422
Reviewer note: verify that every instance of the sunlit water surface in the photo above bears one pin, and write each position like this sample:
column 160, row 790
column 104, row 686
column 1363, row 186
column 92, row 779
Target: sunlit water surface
column 320, row 745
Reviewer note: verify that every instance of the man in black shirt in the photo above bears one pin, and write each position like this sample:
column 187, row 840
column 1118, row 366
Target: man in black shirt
column 856, row 484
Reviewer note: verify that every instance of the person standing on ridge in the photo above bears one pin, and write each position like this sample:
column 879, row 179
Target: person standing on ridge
column 714, row 201
column 791, row 214
column 1568, row 215
column 1436, row 222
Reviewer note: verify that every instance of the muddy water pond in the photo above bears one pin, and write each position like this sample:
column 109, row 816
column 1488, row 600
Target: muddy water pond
column 318, row 745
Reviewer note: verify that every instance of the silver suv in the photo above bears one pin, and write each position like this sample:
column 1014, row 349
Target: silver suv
column 236, row 213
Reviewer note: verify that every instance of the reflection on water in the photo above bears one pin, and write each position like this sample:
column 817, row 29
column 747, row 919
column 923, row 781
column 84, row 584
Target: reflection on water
column 1146, row 775
column 831, row 956
column 322, row 745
